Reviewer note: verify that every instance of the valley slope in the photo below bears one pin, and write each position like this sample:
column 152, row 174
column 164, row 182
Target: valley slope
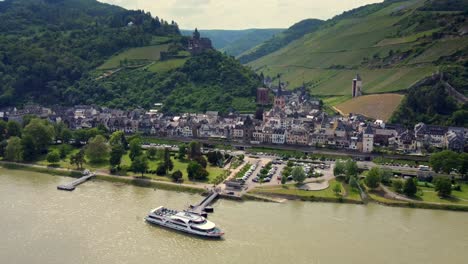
column 392, row 45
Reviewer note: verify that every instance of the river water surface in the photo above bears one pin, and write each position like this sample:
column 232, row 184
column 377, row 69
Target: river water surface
column 102, row 222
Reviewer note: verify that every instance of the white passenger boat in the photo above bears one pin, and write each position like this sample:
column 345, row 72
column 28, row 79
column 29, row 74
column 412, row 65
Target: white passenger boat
column 184, row 221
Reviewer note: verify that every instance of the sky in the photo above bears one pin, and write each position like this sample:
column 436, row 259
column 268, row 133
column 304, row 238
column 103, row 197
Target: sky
column 240, row 14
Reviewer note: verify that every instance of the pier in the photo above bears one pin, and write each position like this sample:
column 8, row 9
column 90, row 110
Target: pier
column 200, row 208
column 72, row 185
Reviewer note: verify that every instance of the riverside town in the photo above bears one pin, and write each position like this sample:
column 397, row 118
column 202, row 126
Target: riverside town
column 257, row 131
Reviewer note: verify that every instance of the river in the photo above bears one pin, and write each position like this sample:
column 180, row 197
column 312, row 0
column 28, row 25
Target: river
column 102, row 222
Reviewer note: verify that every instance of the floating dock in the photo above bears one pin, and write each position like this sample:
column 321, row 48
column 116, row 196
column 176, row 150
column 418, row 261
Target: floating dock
column 200, row 208
column 72, row 185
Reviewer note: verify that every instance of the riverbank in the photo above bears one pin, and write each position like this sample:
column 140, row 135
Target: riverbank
column 415, row 204
column 137, row 181
column 258, row 194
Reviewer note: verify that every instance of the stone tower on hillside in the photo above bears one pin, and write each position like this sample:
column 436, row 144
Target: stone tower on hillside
column 197, row 44
column 357, row 86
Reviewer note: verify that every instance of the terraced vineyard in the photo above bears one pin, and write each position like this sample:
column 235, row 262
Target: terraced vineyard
column 141, row 54
column 392, row 45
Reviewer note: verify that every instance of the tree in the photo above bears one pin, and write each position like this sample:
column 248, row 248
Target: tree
column 352, row 169
column 152, row 151
column 63, row 150
column 14, row 149
column 298, row 174
column 194, row 150
column 135, row 148
column 196, row 171
column 283, row 179
column 397, row 186
column 444, row 161
column 13, row 129
column 66, row 135
column 116, row 138
column 201, row 160
column 463, row 163
column 3, row 130
column 409, row 187
column 116, row 154
column 374, row 177
column 40, row 133
column 168, row 164
column 78, row 159
column 161, row 170
column 214, row 157
column 140, row 164
column 53, row 157
column 443, row 186
column 340, row 168
column 176, row 176
column 182, row 152
column 337, row 188
column 386, row 176
column 29, row 148
column 97, row 149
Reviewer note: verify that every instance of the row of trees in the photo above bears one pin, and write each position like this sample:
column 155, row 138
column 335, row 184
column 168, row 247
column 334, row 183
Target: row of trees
column 409, row 187
column 447, row 161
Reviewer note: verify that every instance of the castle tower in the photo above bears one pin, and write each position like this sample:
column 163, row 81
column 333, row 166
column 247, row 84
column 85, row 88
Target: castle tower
column 357, row 86
column 368, row 140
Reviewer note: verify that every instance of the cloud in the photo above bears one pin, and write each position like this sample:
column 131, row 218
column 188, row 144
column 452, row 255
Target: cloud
column 240, row 14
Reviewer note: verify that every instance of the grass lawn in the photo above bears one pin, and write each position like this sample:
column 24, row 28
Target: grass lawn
column 291, row 189
column 165, row 66
column 352, row 193
column 458, row 197
column 213, row 171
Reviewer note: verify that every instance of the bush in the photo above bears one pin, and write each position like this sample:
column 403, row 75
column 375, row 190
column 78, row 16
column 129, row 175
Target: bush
column 443, row 186
column 373, row 178
column 397, row 186
column 161, row 170
column 410, row 188
column 177, row 176
column 53, row 157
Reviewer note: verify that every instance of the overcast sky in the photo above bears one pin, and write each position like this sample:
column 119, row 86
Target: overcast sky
column 240, row 14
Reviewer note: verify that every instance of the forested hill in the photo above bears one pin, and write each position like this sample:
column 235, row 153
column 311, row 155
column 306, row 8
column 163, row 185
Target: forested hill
column 48, row 45
column 207, row 81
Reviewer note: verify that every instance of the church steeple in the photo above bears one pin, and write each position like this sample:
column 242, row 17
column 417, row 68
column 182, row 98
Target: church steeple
column 279, row 92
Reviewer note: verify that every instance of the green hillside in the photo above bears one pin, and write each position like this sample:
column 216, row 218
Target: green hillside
column 251, row 39
column 280, row 40
column 46, row 46
column 392, row 45
column 208, row 81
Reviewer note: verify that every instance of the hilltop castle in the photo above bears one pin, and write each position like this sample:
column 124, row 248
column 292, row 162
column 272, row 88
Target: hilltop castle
column 357, row 86
column 197, row 45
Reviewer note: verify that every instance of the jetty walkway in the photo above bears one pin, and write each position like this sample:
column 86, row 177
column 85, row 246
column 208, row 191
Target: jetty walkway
column 72, row 185
column 200, row 208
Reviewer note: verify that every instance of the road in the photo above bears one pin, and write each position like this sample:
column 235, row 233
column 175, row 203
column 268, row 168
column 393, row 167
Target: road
column 308, row 149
